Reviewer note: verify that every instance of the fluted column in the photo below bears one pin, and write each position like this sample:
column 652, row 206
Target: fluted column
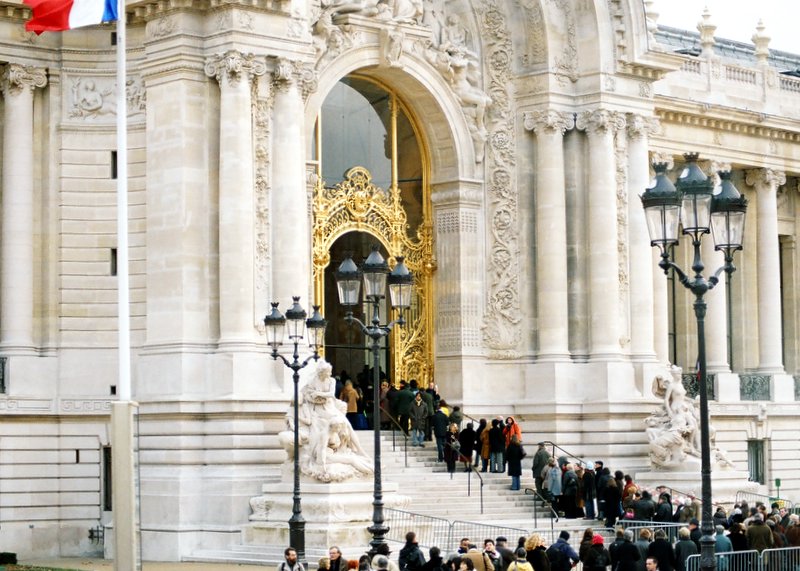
column 291, row 251
column 603, row 258
column 770, row 354
column 640, row 253
column 17, row 83
column 235, row 73
column 716, row 320
column 551, row 234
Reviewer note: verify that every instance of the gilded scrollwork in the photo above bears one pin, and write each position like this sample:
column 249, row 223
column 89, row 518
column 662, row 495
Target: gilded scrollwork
column 357, row 205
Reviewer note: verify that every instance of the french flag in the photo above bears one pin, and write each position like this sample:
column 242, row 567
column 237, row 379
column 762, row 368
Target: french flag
column 60, row 15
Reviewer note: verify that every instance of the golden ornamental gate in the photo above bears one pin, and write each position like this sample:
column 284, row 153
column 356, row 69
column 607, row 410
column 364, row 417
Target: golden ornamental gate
column 357, row 205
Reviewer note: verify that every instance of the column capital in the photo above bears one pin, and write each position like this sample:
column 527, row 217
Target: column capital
column 641, row 126
column 16, row 77
column 548, row 121
column 600, row 121
column 766, row 179
column 287, row 73
column 233, row 65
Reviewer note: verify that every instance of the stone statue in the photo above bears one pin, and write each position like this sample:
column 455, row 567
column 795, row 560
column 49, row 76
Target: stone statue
column 329, row 447
column 674, row 428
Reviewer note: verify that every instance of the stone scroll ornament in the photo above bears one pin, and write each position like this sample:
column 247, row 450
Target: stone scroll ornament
column 329, row 447
column 673, row 429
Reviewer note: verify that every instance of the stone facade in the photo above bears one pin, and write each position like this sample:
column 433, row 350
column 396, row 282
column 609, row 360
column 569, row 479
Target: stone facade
column 539, row 120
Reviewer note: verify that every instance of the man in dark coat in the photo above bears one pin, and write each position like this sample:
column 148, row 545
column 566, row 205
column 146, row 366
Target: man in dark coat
column 540, row 460
column 627, row 554
column 427, row 398
column 411, row 557
column 683, row 549
column 440, row 424
column 663, row 509
column 662, row 550
column 644, row 508
column 403, row 401
column 501, row 545
column 589, row 491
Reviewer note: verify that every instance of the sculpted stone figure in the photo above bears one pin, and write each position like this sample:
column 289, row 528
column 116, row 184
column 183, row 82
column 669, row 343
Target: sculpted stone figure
column 674, row 428
column 329, row 447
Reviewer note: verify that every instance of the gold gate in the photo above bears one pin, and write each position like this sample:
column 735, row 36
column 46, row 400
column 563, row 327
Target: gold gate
column 357, row 205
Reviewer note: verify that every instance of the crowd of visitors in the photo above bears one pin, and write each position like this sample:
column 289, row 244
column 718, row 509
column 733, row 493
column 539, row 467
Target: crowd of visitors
column 648, row 549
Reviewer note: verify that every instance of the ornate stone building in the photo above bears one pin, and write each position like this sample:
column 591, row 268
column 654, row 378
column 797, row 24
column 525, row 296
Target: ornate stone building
column 500, row 145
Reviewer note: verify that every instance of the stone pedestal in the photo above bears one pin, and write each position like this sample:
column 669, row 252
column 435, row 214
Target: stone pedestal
column 724, row 483
column 338, row 513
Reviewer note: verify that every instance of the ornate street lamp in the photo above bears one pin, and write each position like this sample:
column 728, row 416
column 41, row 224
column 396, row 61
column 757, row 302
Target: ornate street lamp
column 375, row 274
column 692, row 203
column 276, row 327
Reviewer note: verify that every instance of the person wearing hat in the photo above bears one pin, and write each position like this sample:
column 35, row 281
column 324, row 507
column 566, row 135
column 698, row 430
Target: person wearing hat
column 597, row 558
column 540, row 460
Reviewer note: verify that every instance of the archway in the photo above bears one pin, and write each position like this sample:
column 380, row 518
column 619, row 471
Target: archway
column 359, row 131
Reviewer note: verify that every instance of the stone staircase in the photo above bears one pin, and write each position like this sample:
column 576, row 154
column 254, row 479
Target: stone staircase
column 432, row 492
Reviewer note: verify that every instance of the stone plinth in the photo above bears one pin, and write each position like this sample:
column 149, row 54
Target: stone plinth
column 724, row 483
column 337, row 513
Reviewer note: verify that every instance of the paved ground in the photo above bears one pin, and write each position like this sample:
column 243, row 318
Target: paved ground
column 108, row 565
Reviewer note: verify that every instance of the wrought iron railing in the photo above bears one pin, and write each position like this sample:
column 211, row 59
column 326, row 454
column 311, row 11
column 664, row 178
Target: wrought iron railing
column 755, row 387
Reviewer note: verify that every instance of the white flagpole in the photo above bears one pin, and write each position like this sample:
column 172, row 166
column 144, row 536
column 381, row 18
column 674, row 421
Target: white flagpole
column 123, row 302
column 126, row 515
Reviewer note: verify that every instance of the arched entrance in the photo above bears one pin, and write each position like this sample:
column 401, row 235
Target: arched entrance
column 372, row 187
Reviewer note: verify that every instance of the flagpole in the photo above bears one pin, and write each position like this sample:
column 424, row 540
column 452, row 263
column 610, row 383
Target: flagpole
column 127, row 556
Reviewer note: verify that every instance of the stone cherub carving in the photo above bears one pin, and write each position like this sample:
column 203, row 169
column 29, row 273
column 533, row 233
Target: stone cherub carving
column 329, row 448
column 674, row 428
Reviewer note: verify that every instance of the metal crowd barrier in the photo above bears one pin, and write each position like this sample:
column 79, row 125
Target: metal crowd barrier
column 784, row 559
column 670, row 528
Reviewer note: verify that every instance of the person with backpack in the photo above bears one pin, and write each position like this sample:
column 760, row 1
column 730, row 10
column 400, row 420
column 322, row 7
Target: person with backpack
column 520, row 563
column 597, row 558
column 411, row 557
column 561, row 555
column 291, row 563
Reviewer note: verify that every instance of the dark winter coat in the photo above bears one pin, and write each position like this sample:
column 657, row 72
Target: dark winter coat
column 467, row 439
column 411, row 558
column 497, row 442
column 627, row 555
column 683, row 549
column 662, row 550
column 597, row 559
column 537, row 557
column 663, row 512
column 440, row 424
column 514, row 455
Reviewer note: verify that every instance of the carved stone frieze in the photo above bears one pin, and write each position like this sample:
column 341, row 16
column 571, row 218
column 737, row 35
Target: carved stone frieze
column 94, row 97
column 535, row 42
column 621, row 164
column 548, row 121
column 233, row 66
column 15, row 78
column 501, row 326
column 392, row 46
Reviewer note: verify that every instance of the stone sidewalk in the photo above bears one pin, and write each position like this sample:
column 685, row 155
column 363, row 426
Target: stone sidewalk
column 84, row 564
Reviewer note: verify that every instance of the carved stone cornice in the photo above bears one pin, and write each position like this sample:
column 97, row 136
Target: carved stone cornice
column 15, row 77
column 548, row 121
column 233, row 66
column 457, row 196
column 639, row 126
column 765, row 179
column 149, row 9
column 288, row 72
column 600, row 121
column 736, row 121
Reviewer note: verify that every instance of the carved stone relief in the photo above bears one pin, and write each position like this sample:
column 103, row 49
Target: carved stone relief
column 501, row 328
column 565, row 65
column 94, row 98
column 262, row 111
column 536, row 44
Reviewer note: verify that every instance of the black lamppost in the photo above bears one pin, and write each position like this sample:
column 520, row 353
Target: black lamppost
column 276, row 326
column 698, row 211
column 375, row 271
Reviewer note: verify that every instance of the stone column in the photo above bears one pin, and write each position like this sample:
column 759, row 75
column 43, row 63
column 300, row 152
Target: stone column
column 766, row 183
column 640, row 253
column 17, row 83
column 291, row 222
column 551, row 234
column 603, row 258
column 235, row 73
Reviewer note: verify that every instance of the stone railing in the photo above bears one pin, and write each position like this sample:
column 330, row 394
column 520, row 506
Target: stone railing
column 740, row 74
column 691, row 66
column 789, row 83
